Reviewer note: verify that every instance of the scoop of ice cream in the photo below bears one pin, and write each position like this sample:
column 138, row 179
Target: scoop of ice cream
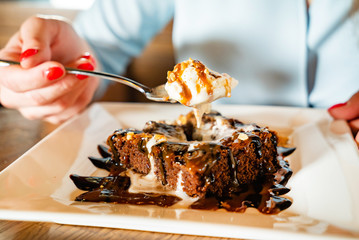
column 192, row 83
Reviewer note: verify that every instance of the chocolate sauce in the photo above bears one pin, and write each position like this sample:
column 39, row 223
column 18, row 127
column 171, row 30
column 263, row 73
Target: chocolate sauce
column 262, row 195
column 263, row 192
column 115, row 189
column 117, row 192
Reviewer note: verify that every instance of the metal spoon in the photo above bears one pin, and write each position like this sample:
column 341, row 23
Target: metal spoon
column 158, row 93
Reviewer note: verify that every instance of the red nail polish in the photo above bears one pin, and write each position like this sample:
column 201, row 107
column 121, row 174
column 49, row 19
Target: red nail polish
column 87, row 55
column 28, row 53
column 337, row 105
column 84, row 66
column 54, row 73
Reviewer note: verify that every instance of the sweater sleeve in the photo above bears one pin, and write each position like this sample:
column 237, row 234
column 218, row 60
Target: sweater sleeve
column 118, row 30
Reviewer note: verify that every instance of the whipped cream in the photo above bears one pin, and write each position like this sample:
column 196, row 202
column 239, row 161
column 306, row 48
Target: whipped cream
column 193, row 84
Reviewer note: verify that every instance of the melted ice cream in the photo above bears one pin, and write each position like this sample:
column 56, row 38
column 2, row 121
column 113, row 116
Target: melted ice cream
column 193, row 84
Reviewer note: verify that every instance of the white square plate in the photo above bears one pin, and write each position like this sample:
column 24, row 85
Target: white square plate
column 37, row 187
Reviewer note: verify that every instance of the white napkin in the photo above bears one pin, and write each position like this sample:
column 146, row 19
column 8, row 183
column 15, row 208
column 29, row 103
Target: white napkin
column 325, row 184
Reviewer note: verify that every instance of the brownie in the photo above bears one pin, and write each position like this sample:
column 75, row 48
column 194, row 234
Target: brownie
column 226, row 160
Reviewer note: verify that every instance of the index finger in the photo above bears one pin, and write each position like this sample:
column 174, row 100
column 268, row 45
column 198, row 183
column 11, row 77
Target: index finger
column 348, row 110
column 19, row 79
column 36, row 34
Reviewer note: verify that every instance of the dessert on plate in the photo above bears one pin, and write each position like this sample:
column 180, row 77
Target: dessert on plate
column 219, row 163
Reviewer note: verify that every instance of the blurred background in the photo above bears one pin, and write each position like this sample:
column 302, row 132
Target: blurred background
column 150, row 68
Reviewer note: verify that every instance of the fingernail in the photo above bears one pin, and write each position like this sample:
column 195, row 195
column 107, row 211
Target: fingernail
column 54, row 73
column 88, row 56
column 84, row 66
column 337, row 105
column 28, row 53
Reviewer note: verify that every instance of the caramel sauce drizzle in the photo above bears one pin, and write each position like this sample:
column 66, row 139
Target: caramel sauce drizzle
column 176, row 76
column 204, row 82
column 257, row 194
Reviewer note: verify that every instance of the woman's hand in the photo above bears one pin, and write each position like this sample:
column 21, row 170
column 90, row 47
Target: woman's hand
column 40, row 88
column 348, row 111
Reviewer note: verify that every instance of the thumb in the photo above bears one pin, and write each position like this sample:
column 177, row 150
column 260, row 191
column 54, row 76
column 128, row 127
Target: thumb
column 346, row 111
column 36, row 35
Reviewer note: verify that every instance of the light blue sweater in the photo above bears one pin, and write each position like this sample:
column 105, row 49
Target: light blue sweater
column 280, row 52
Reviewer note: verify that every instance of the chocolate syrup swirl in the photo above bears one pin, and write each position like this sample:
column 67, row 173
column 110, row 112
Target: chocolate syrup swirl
column 262, row 191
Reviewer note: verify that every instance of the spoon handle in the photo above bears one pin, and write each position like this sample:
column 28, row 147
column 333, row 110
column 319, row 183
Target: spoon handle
column 113, row 77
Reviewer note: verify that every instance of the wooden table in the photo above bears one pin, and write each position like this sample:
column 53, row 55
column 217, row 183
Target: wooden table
column 17, row 135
